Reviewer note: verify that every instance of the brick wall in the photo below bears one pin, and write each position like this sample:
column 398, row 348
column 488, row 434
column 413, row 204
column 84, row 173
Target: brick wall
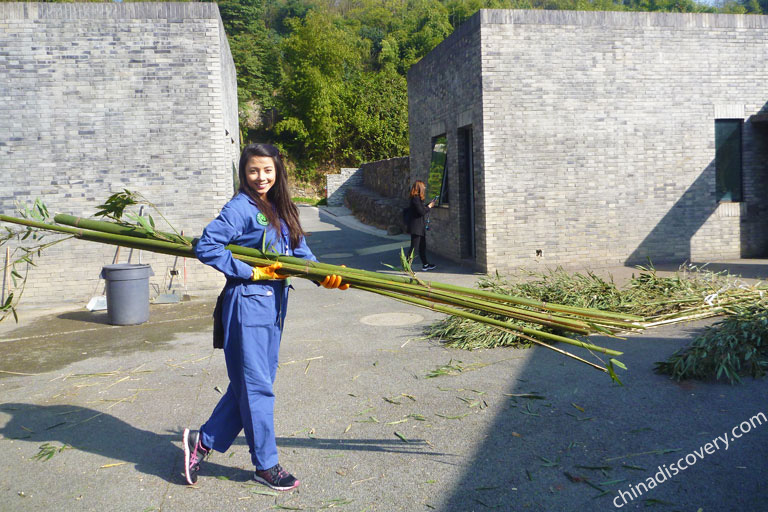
column 101, row 97
column 445, row 94
column 597, row 133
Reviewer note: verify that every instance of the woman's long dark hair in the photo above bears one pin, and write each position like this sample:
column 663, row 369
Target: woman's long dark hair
column 282, row 207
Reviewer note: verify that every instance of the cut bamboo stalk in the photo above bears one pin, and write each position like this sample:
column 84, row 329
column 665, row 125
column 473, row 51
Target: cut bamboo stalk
column 6, row 275
column 291, row 265
column 608, row 318
column 406, row 289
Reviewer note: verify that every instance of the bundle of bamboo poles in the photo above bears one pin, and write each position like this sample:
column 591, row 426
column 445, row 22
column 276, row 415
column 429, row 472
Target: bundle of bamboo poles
column 723, row 302
column 454, row 300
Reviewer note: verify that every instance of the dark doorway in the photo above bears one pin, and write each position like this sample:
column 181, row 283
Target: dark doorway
column 754, row 228
column 466, row 193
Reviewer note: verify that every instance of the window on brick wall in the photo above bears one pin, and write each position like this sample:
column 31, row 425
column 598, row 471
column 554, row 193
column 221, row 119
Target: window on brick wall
column 728, row 159
column 437, row 181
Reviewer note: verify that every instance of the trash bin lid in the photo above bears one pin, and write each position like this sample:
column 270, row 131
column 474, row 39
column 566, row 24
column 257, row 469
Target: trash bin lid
column 126, row 271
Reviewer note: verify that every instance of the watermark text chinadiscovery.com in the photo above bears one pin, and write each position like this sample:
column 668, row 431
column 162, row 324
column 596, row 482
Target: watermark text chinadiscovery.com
column 665, row 473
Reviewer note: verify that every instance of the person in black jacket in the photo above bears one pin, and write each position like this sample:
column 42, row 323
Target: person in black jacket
column 416, row 225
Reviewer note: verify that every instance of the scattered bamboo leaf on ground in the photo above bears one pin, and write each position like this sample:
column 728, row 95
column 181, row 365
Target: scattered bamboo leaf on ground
column 363, row 480
column 105, row 466
column 263, row 492
column 532, row 396
column 452, row 417
column 338, row 502
column 660, row 451
column 649, row 502
column 47, row 451
column 549, row 463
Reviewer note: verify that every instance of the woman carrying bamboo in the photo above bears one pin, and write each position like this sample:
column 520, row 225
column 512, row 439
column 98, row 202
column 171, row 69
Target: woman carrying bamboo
column 253, row 310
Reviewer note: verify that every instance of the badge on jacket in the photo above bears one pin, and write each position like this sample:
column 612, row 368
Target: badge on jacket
column 262, row 219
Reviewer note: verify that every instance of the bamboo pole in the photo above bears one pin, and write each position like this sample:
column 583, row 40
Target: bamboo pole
column 298, row 267
column 409, row 290
column 6, row 275
column 604, row 317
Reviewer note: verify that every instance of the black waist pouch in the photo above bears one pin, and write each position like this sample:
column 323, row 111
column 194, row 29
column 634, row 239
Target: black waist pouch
column 218, row 323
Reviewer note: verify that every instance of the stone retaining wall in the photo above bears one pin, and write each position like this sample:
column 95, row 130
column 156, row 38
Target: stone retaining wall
column 382, row 194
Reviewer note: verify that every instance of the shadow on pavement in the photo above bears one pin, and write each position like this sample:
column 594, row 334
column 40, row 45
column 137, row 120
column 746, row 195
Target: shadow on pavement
column 755, row 269
column 586, row 438
column 95, row 432
column 369, row 445
column 86, row 316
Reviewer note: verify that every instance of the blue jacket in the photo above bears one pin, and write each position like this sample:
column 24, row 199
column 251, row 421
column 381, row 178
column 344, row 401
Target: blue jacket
column 240, row 223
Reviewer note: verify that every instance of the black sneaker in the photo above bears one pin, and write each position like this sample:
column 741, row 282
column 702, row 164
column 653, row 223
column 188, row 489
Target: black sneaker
column 276, row 478
column 194, row 453
column 428, row 266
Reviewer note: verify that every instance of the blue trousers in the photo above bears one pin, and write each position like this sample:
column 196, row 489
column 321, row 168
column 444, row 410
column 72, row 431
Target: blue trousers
column 251, row 347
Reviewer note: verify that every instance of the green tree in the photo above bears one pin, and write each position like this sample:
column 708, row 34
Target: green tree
column 376, row 113
column 319, row 59
column 255, row 51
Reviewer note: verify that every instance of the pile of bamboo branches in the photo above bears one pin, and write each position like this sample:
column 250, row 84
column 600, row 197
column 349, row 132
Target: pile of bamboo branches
column 502, row 312
column 691, row 293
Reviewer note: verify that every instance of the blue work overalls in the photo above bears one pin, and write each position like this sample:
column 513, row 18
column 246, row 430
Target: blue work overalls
column 252, row 316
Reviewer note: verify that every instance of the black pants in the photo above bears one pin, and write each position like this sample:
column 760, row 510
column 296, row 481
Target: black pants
column 419, row 243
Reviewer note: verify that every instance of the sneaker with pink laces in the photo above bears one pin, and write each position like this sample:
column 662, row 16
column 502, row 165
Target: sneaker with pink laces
column 276, row 478
column 194, row 453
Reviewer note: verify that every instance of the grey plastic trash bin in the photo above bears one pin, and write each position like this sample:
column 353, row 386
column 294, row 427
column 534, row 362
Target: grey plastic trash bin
column 127, row 293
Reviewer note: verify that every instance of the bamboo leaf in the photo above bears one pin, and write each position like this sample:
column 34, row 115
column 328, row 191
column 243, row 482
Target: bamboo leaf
column 619, row 364
column 612, row 373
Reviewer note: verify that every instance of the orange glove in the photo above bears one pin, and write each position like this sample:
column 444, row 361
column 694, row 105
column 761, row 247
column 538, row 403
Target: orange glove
column 270, row 272
column 333, row 281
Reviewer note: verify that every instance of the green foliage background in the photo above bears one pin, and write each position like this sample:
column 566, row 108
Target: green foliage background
column 325, row 79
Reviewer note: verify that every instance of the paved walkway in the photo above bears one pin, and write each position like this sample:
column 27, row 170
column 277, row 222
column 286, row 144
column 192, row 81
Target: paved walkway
column 358, row 419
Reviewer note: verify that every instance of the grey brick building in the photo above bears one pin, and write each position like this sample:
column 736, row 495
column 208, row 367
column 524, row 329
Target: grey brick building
column 596, row 137
column 95, row 98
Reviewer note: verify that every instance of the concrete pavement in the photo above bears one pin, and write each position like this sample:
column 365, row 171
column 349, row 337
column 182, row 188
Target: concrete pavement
column 359, row 421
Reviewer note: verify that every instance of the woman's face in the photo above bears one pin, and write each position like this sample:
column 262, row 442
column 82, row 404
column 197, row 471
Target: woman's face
column 260, row 174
